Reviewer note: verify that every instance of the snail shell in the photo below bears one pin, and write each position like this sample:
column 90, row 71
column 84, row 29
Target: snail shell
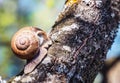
column 30, row 43
column 26, row 42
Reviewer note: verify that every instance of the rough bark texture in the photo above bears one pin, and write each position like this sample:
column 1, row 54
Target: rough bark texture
column 81, row 36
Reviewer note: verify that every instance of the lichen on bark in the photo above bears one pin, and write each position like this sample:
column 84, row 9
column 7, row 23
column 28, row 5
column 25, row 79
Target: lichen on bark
column 81, row 37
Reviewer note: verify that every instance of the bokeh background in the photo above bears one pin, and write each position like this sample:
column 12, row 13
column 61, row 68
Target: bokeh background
column 15, row 14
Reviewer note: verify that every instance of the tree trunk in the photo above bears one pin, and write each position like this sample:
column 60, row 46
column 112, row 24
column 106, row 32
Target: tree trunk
column 81, row 37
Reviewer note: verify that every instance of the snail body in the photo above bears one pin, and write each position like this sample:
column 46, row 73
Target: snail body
column 30, row 43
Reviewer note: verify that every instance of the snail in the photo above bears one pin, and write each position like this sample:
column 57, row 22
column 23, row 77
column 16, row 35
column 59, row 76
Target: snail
column 30, row 43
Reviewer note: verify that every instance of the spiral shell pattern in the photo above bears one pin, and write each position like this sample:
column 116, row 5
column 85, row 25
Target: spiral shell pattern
column 25, row 43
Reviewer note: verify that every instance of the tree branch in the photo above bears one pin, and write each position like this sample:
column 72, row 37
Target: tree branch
column 81, row 37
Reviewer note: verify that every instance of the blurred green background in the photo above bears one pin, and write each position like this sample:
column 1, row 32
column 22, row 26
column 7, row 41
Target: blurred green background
column 15, row 14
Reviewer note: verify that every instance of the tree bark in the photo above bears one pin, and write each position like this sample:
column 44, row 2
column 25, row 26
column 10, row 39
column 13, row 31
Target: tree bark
column 81, row 37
